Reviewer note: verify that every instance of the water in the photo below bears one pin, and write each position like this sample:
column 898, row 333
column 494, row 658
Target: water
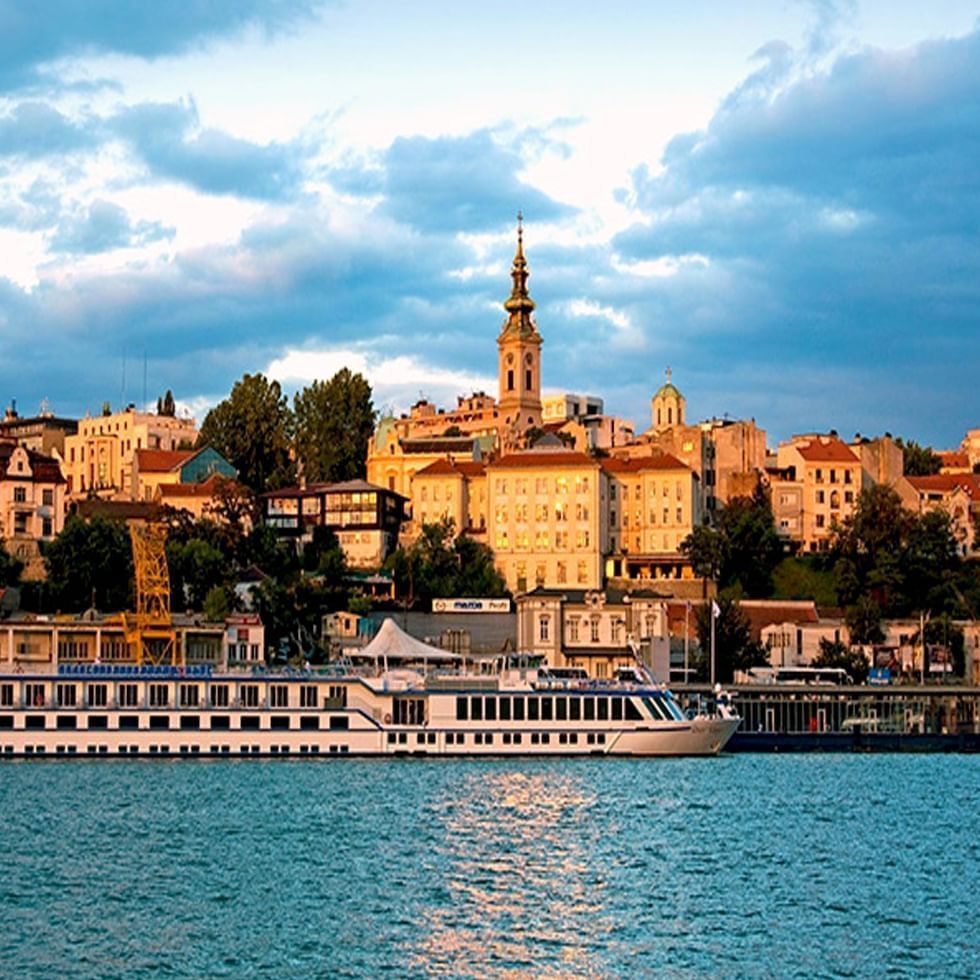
column 738, row 866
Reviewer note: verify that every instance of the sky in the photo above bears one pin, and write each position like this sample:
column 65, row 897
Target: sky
column 779, row 200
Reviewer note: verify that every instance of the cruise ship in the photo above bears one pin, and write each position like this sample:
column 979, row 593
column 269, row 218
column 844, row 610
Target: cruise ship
column 114, row 711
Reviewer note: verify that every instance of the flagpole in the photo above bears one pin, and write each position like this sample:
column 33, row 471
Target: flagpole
column 713, row 618
column 687, row 638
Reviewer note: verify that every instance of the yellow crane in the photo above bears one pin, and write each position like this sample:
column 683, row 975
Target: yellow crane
column 150, row 633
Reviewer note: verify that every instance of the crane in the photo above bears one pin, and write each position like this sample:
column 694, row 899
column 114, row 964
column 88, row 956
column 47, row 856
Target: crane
column 150, row 632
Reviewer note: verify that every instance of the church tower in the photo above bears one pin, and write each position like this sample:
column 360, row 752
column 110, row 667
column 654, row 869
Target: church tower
column 667, row 406
column 519, row 353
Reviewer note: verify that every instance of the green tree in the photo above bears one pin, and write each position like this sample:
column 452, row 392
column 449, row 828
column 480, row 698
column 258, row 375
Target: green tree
column 10, row 567
column 166, row 405
column 734, row 647
column 217, row 604
column 706, row 549
column 752, row 545
column 930, row 561
column 334, row 423
column 90, row 562
column 196, row 566
column 863, row 621
column 252, row 428
column 942, row 631
column 839, row 655
column 918, row 460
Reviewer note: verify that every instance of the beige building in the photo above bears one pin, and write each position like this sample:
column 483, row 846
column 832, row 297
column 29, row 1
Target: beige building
column 654, row 503
column 32, row 503
column 457, row 491
column 545, row 511
column 814, row 486
column 595, row 630
column 44, row 433
column 99, row 457
column 956, row 494
column 970, row 447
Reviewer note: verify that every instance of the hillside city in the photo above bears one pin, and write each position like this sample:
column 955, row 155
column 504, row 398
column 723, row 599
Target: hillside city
column 289, row 528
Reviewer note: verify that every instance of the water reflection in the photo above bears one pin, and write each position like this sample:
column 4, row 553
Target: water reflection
column 524, row 887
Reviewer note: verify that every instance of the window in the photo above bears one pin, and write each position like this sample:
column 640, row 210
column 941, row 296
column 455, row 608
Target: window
column 461, row 706
column 544, row 624
column 476, row 709
column 98, row 695
column 218, row 695
column 820, row 497
column 574, row 709
column 47, row 498
column 279, row 696
column 518, row 708
column 65, row 694
column 532, row 709
column 562, row 573
column 127, row 696
column 561, row 709
column 490, row 709
column 583, row 572
column 594, row 630
column 250, row 695
column 20, row 495
column 159, row 695
column 188, row 695
column 7, row 695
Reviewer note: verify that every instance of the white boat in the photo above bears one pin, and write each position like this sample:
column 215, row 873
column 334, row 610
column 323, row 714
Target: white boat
column 406, row 699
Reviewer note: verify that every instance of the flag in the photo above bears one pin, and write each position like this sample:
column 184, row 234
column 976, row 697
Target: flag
column 715, row 609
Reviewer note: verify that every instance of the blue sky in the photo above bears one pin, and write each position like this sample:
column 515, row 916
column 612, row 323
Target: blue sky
column 782, row 204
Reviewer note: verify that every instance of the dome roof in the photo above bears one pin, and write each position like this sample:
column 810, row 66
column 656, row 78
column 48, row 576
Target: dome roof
column 667, row 389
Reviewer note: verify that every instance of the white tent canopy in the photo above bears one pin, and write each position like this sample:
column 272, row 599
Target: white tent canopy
column 393, row 644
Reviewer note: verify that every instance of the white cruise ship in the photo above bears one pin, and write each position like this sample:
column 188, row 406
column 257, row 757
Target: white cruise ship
column 383, row 708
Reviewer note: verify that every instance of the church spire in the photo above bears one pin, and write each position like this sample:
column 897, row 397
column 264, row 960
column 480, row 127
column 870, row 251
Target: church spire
column 519, row 304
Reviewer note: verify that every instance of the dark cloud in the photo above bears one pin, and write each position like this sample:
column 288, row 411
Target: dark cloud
column 453, row 184
column 34, row 129
column 839, row 215
column 33, row 35
column 103, row 226
column 168, row 139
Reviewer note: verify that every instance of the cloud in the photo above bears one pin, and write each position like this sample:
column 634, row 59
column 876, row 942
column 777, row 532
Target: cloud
column 168, row 139
column 455, row 184
column 34, row 129
column 104, row 226
column 35, row 35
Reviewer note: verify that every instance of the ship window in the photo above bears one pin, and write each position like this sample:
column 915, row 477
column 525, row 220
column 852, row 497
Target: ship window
column 219, row 723
column 219, row 696
column 279, row 696
column 488, row 738
column 632, row 712
column 505, row 709
column 561, row 709
column 476, row 709
column 532, row 709
column 517, row 738
column 518, row 709
column 409, row 711
column 307, row 696
column 589, row 709
column 34, row 695
column 67, row 721
column 602, row 713
column 250, row 695
column 66, row 695
column 490, row 709
column 129, row 722
column 7, row 695
column 159, row 721
column 159, row 695
column 190, row 723
column 617, row 709
column 6, row 721
column 279, row 723
column 575, row 709
column 249, row 723
column 655, row 709
column 128, row 696
column 545, row 738
column 98, row 695
column 340, row 723
column 310, row 723
column 188, row 695
column 546, row 711
column 461, row 712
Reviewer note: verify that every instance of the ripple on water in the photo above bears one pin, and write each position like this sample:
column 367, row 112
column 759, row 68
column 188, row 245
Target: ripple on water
column 761, row 866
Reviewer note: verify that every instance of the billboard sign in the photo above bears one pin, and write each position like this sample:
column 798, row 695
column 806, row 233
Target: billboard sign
column 471, row 605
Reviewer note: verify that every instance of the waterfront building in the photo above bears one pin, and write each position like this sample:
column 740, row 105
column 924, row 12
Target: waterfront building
column 99, row 458
column 545, row 510
column 365, row 517
column 32, row 503
column 597, row 630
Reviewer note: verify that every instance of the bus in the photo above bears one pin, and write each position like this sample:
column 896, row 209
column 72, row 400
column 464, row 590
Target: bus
column 796, row 675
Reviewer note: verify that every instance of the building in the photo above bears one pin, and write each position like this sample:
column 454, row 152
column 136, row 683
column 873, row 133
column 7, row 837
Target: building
column 43, row 433
column 99, row 458
column 814, row 485
column 970, row 447
column 958, row 494
column 653, row 504
column 154, row 469
column 365, row 517
column 454, row 490
column 595, row 630
column 32, row 503
column 545, row 515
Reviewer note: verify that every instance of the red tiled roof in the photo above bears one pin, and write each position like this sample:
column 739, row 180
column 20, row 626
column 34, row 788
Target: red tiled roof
column 204, row 489
column 955, row 459
column 826, row 451
column 162, row 460
column 446, row 467
column 44, row 469
column 530, row 459
column 471, row 468
column 638, row 464
column 947, row 483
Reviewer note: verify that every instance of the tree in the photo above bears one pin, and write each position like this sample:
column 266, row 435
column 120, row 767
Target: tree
column 334, row 423
column 166, row 405
column 942, row 631
column 752, row 546
column 734, row 647
column 252, row 428
column 196, row 566
column 706, row 549
column 10, row 567
column 217, row 604
column 863, row 621
column 90, row 563
column 840, row 656
column 918, row 460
